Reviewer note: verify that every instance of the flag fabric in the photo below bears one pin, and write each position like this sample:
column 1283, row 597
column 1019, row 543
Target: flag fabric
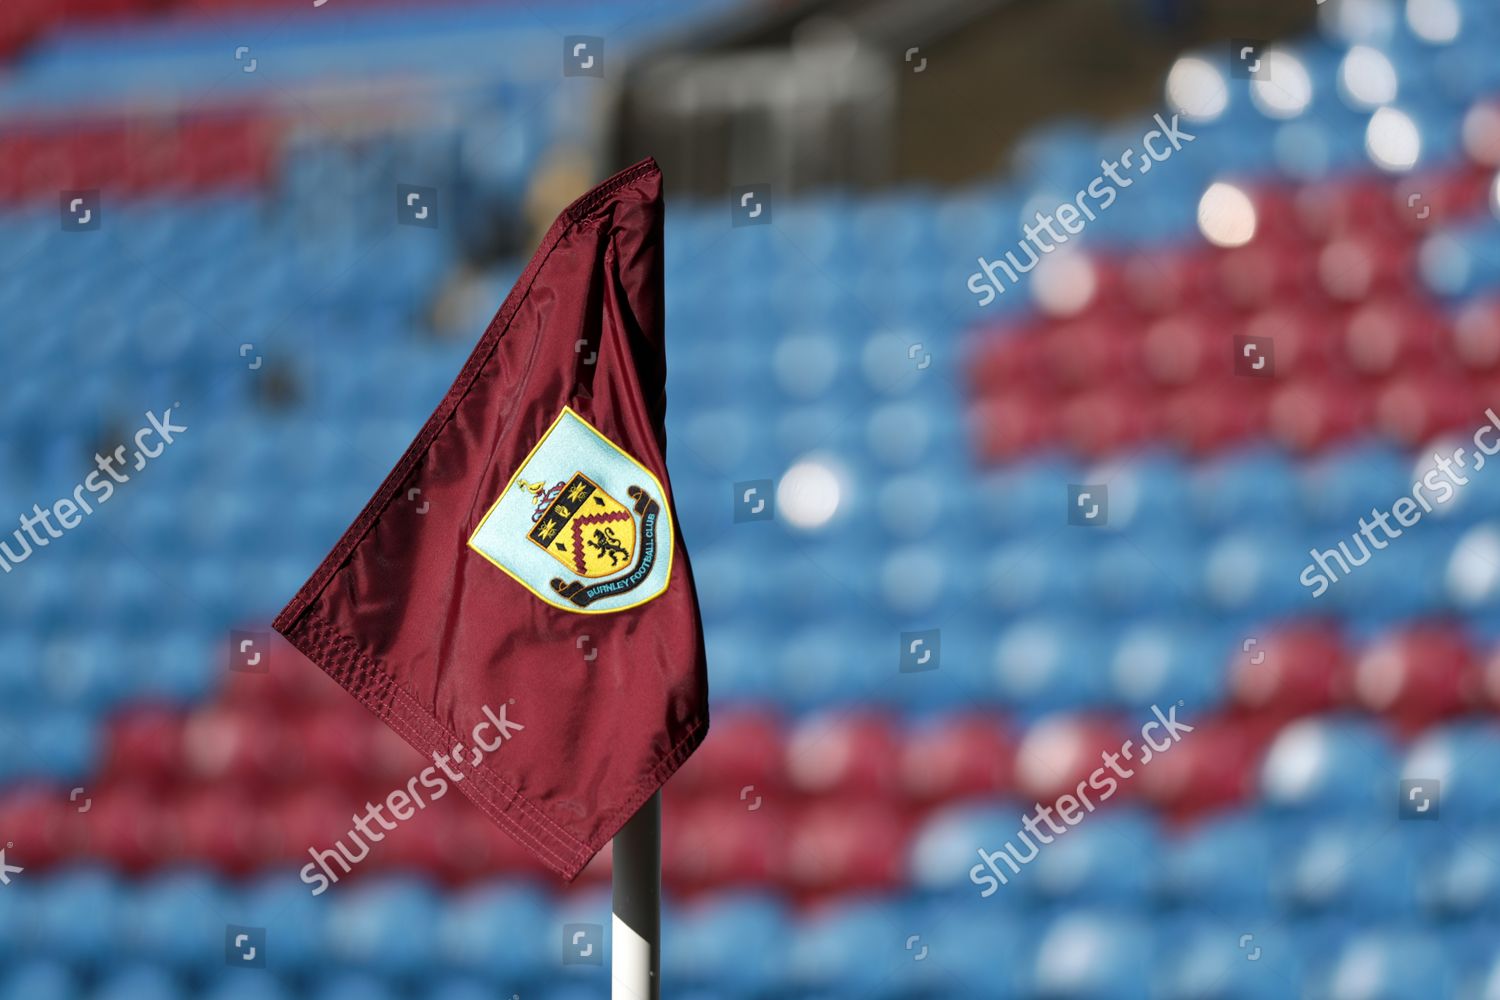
column 515, row 601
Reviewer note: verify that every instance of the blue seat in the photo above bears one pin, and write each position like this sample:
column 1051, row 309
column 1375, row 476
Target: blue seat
column 739, row 650
column 176, row 921
column 819, row 665
column 473, row 920
column 1463, row 880
column 296, row 921
column 1330, row 766
column 1338, row 489
column 352, row 986
column 135, row 981
column 1141, row 573
column 459, row 988
column 83, row 673
column 918, row 581
column 1226, row 864
column 1092, row 955
column 20, row 666
column 1253, row 486
column 1406, row 580
column 1390, row 965
column 390, row 926
column 849, row 946
column 1461, row 758
column 1027, row 575
column 944, row 853
column 1484, row 971
column 1148, row 494
column 1254, row 575
column 1207, row 954
column 899, row 436
column 60, row 744
column 1314, row 148
column 1159, row 662
column 78, row 918
column 248, row 984
column 746, row 933
column 1109, row 859
column 39, row 979
column 1050, row 664
column 821, row 579
column 1346, row 868
column 180, row 667
column 1028, row 497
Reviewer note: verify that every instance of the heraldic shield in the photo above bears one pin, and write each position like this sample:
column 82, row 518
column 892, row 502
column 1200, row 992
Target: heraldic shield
column 587, row 530
column 581, row 524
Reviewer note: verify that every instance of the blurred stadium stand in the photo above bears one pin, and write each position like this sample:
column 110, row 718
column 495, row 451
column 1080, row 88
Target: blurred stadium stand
column 249, row 266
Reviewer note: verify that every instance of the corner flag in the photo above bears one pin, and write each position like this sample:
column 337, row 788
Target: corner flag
column 521, row 562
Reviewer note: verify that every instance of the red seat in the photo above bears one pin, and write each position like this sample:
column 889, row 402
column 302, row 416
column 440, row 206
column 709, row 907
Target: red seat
column 145, row 744
column 338, row 747
column 1086, row 353
column 223, row 828
column 1302, row 336
column 1267, row 271
column 1185, row 347
column 292, row 681
column 1413, row 409
column 721, row 841
column 21, row 21
column 1059, row 753
column 1003, row 360
column 43, row 823
column 392, row 760
column 850, row 754
column 1278, row 220
column 1418, row 676
column 240, row 746
column 1476, row 335
column 1310, row 414
column 1211, row 768
column 967, row 756
column 1211, row 417
column 845, row 847
column 1161, row 282
column 1393, row 333
column 1438, row 198
column 1011, row 425
column 744, row 750
column 1328, row 209
column 1109, row 419
column 131, row 827
column 1295, row 670
column 1352, row 267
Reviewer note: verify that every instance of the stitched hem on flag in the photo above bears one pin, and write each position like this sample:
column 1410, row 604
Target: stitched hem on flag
column 340, row 657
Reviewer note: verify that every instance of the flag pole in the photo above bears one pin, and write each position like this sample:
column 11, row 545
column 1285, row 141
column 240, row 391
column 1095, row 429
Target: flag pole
column 635, row 957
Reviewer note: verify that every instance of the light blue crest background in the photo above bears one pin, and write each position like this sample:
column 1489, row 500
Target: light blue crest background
column 571, row 445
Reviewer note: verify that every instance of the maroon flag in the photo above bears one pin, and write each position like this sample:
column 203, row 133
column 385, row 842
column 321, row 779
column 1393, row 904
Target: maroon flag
column 514, row 601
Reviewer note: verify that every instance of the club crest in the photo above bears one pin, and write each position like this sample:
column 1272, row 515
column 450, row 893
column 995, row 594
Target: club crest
column 581, row 524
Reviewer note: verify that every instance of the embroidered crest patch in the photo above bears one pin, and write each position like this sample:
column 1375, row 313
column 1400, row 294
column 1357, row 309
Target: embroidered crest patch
column 581, row 524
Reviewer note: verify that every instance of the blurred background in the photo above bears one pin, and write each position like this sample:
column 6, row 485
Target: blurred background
column 208, row 204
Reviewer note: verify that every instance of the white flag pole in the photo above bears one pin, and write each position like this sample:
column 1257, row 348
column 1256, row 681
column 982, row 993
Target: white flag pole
column 635, row 957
